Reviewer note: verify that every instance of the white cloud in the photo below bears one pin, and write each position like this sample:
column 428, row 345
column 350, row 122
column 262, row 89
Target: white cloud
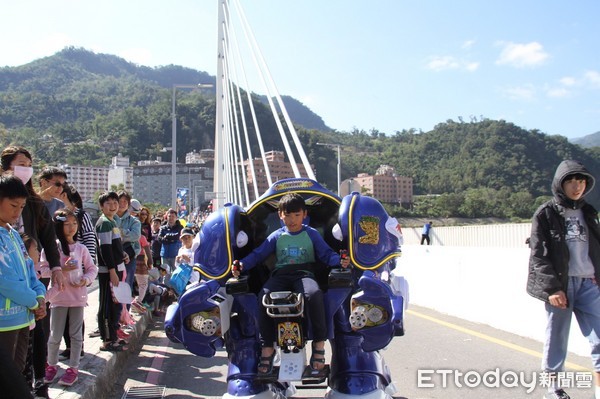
column 522, row 55
column 442, row 63
column 593, row 78
column 467, row 44
column 568, row 81
column 522, row 93
column 472, row 66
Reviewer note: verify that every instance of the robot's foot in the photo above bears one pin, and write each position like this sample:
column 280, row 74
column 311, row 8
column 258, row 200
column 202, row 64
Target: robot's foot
column 311, row 376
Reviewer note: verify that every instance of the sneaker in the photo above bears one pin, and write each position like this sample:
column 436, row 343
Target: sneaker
column 50, row 374
column 558, row 394
column 64, row 355
column 69, row 377
column 95, row 333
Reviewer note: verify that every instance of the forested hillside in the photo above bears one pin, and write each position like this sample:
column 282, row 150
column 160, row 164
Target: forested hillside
column 82, row 108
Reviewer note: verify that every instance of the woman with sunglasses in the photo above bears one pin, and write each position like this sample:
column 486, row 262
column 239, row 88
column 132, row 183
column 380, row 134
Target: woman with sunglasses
column 52, row 183
column 35, row 221
column 145, row 219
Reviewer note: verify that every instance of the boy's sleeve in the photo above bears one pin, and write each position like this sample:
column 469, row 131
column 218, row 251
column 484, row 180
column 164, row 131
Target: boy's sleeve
column 262, row 252
column 105, row 239
column 323, row 251
column 36, row 284
column 17, row 288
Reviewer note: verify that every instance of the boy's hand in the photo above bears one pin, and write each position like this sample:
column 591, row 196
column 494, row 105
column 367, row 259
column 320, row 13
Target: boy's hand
column 236, row 268
column 184, row 259
column 558, row 299
column 344, row 259
column 40, row 312
column 114, row 278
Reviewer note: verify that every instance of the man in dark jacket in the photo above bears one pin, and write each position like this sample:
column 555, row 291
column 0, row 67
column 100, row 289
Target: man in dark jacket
column 564, row 268
column 169, row 238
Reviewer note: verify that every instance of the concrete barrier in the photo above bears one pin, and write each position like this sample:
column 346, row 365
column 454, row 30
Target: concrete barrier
column 480, row 284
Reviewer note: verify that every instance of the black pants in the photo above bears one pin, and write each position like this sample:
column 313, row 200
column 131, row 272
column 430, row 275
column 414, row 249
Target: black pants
column 12, row 382
column 296, row 281
column 108, row 310
column 425, row 237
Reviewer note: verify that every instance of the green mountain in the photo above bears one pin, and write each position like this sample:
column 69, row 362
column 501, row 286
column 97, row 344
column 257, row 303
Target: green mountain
column 77, row 106
column 82, row 108
column 591, row 140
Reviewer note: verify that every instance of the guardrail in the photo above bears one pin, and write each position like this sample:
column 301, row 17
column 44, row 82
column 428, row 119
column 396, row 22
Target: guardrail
column 478, row 273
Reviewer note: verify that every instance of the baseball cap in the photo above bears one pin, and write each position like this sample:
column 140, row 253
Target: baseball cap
column 187, row 232
column 135, row 206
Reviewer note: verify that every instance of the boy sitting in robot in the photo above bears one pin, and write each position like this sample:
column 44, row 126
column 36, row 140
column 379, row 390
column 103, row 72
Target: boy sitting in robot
column 295, row 247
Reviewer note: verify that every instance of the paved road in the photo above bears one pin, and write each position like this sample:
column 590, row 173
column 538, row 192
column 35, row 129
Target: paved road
column 435, row 346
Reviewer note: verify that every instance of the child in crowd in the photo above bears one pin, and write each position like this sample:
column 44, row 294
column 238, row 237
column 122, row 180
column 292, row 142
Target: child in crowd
column 186, row 253
column 21, row 293
column 159, row 294
column 80, row 271
column 143, row 264
column 111, row 258
column 296, row 247
column 156, row 244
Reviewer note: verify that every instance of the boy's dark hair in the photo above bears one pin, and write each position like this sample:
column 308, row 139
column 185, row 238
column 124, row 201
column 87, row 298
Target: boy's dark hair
column 157, row 219
column 59, row 219
column 12, row 187
column 105, row 196
column 291, row 202
column 123, row 193
column 48, row 172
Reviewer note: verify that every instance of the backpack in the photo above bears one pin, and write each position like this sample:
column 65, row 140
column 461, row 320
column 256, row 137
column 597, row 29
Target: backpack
column 180, row 277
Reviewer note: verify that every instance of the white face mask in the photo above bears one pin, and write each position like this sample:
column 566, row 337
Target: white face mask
column 23, row 172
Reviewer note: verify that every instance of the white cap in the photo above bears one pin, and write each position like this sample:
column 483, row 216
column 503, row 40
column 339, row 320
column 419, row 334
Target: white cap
column 135, row 206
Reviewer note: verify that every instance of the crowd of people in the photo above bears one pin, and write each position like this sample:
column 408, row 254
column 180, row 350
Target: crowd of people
column 52, row 253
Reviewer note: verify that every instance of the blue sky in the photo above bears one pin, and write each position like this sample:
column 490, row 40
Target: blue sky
column 383, row 64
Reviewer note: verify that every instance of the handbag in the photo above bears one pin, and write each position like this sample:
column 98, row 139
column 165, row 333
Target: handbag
column 180, row 277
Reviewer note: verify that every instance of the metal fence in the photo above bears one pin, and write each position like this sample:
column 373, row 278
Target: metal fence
column 511, row 235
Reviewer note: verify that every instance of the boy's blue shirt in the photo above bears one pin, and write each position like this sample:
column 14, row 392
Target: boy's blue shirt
column 321, row 250
column 19, row 285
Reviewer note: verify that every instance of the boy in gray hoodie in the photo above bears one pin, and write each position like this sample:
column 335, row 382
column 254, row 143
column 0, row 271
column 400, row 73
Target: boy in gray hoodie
column 564, row 269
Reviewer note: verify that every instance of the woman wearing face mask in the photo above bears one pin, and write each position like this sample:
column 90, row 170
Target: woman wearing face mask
column 36, row 222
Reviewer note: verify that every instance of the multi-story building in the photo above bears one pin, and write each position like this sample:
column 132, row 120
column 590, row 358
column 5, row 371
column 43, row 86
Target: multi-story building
column 120, row 173
column 88, row 180
column 387, row 186
column 278, row 167
column 152, row 181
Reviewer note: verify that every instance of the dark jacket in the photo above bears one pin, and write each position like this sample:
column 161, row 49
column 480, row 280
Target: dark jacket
column 549, row 258
column 41, row 230
column 169, row 237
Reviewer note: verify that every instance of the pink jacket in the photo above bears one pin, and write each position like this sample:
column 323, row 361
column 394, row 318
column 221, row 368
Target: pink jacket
column 72, row 296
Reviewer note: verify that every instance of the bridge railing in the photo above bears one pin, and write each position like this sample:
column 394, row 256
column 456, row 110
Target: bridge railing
column 478, row 273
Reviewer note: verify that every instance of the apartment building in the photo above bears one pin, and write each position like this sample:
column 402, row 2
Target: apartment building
column 88, row 180
column 387, row 186
column 278, row 167
column 152, row 181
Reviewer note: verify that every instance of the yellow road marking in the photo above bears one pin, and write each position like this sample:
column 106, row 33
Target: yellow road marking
column 497, row 341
